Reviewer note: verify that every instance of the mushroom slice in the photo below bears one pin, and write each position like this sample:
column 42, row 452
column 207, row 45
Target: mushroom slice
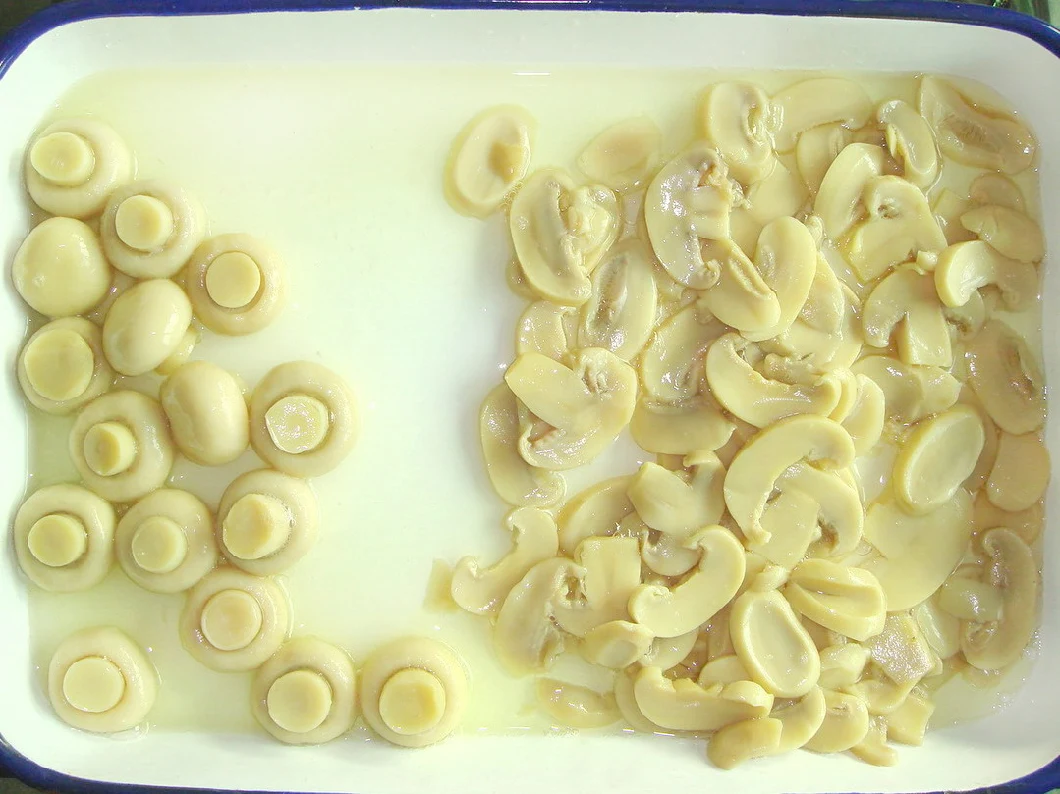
column 910, row 141
column 598, row 511
column 560, row 232
column 908, row 723
column 739, row 119
column 546, row 328
column 623, row 155
column 488, row 157
column 525, row 638
column 948, row 208
column 839, row 199
column 626, row 701
column 780, row 195
column 841, row 598
column 970, row 599
column 905, row 305
column 577, row 412
column 792, row 523
column 756, row 468
column 819, row 100
column 514, row 480
column 680, row 502
column 937, row 457
column 1005, row 376
column 620, row 312
column 973, row 134
column 899, row 225
column 739, row 296
column 1011, row 232
column 1020, row 473
column 910, row 392
column 917, row 553
column 671, row 365
column 667, row 652
column 576, row 706
column 683, row 705
column 815, row 151
column 845, row 724
column 1025, row 523
column 994, row 645
column 873, row 749
column 940, row 630
column 839, row 510
column 671, row 612
column 666, row 555
column 742, row 741
column 612, row 571
column 964, row 268
column 786, row 258
column 677, row 428
column 773, row 645
column 800, row 720
column 723, row 670
column 864, row 421
column 534, row 538
column 842, row 665
column 900, row 650
column 998, row 189
column 616, row 644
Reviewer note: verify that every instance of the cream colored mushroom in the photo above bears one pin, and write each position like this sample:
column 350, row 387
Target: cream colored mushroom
column 739, row 296
column 561, row 232
column 547, row 328
column 864, row 420
column 664, row 554
column 63, row 538
column 626, row 701
column 681, row 427
column 1012, row 233
column 232, row 621
column 743, row 741
column 237, row 284
column 800, row 720
column 786, row 259
column 936, row 458
column 917, row 553
column 1006, row 377
column 597, row 511
column 207, row 413
column 121, row 447
column 966, row 267
column 525, row 637
column 791, row 520
column 816, row 101
column 73, row 165
column 1012, row 569
column 670, row 612
column 910, row 392
column 685, row 706
column 815, row 151
column 616, row 644
column 680, row 502
column 781, row 194
column 624, row 155
column 62, row 366
column 909, row 722
column 838, row 202
column 514, row 480
column 772, row 644
column 845, row 724
column 948, row 207
column 577, row 411
column 165, row 542
column 302, row 419
column 611, row 574
column 739, row 119
column 723, row 670
column 100, row 680
column 839, row 597
column 671, row 366
column 149, row 229
column 904, row 305
column 900, row 650
column 970, row 599
column 973, row 134
column 873, row 749
column 620, row 313
column 1025, row 523
column 994, row 188
column 940, row 630
column 414, row 691
column 488, row 158
column 576, row 706
column 59, row 269
column 668, row 652
column 839, row 508
column 1020, row 473
column 145, row 326
column 843, row 665
column 534, row 538
column 910, row 141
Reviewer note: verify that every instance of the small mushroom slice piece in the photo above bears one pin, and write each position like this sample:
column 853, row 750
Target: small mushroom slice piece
column 1013, row 233
column 623, row 155
column 612, row 571
column 909, row 722
column 964, row 268
column 899, row 225
column 773, row 645
column 839, row 199
column 904, row 305
column 667, row 652
column 910, row 392
column 917, row 553
column 534, row 538
column 671, row 366
column 998, row 189
column 580, row 410
column 683, row 705
column 970, row 599
column 626, row 701
column 1020, row 473
column 994, row 645
column 819, row 100
column 842, row 665
column 616, row 644
column 800, row 720
column 791, row 519
column 839, row 509
column 576, row 706
column 546, row 328
column 873, row 749
column 940, row 630
column 973, row 134
column 677, row 428
column 901, row 652
column 739, row 119
column 910, row 141
column 723, row 670
column 665, row 554
column 845, row 724
column 815, row 151
column 786, row 259
column 739, row 296
column 560, row 232
column 782, row 194
column 1006, row 377
column 839, row 597
column 948, row 208
column 680, row 502
column 620, row 313
column 743, row 741
column 598, row 511
column 936, row 459
column 672, row 612
column 488, row 157
column 1025, row 523
column 515, row 481
column 864, row 421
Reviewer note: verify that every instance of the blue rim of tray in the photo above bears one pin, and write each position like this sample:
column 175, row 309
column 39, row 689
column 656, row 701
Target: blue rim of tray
column 1039, row 782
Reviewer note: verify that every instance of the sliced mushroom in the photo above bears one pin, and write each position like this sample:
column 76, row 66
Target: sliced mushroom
column 994, row 188
column 620, row 312
column 901, row 652
column 786, row 258
column 623, row 155
column 739, row 296
column 791, row 519
column 534, row 538
column 546, row 328
column 560, row 232
column 1020, row 473
column 743, row 741
column 723, row 670
column 940, row 630
column 910, row 141
column 683, row 705
column 910, row 392
column 677, row 428
column 937, row 457
column 679, row 503
column 576, row 706
column 739, row 119
column 845, row 724
column 882, row 695
column 864, row 421
column 671, row 366
column 819, row 100
column 671, row 612
column 1011, row 232
column 781, row 194
column 800, row 720
column 815, row 151
column 948, row 208
column 597, row 511
column 966, row 267
column 839, row 510
column 908, row 723
column 611, row 573
column 839, row 199
column 873, row 749
column 972, row 134
column 488, row 157
column 970, row 599
column 1006, row 377
column 578, row 411
column 1025, row 523
column 668, row 652
column 616, row 644
column 839, row 597
column 773, row 645
column 842, row 665
column 905, row 305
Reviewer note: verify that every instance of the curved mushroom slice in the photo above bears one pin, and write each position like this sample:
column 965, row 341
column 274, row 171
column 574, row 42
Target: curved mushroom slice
column 739, row 119
column 683, row 705
column 842, row 665
column 525, row 638
column 598, row 511
column 791, row 520
column 534, row 538
column 723, row 670
column 1025, row 523
column 800, row 720
column 996, row 644
column 680, row 427
column 1010, row 231
column 940, row 630
column 576, row 705
column 743, row 741
column 845, row 724
column 626, row 701
column 910, row 392
column 813, row 339
column 864, row 421
column 560, row 232
column 972, row 134
column 873, row 749
column 773, row 645
column 756, row 468
column 948, row 208
column 839, row 199
column 995, row 188
column 668, row 652
column 623, row 155
column 937, row 457
column 616, row 644
column 965, row 321
column 672, row 612
column 781, row 194
column 964, row 268
column 841, row 598
column 910, row 141
column 546, row 328
column 900, row 650
column 1020, row 473
column 739, row 296
column 680, row 502
column 908, row 723
column 612, row 571
column 671, row 366
column 786, row 259
column 970, row 599
column 917, row 553
column 577, row 412
column 515, row 481
column 488, row 157
column 905, row 305
column 820, row 100
column 899, row 225
column 665, row 555
column 815, row 151
column 839, row 510
column 1005, row 376
column 620, row 312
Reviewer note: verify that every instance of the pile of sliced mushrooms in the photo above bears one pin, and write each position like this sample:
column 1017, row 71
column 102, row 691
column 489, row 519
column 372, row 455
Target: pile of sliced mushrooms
column 817, row 321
